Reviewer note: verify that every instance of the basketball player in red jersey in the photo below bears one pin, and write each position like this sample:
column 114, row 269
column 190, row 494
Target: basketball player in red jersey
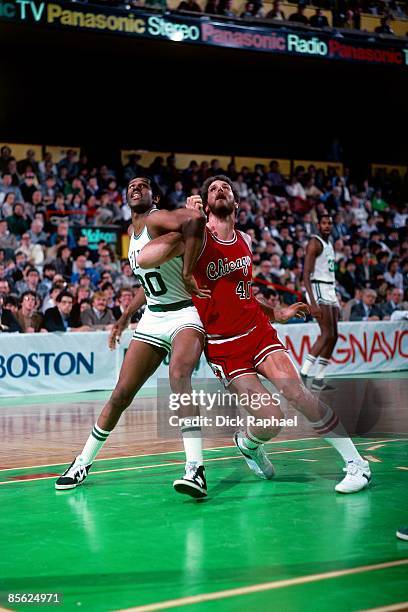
column 241, row 341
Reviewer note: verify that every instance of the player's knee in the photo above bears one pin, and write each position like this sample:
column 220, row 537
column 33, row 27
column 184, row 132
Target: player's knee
column 180, row 374
column 121, row 398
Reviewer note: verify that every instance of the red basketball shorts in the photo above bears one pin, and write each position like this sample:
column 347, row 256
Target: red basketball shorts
column 238, row 356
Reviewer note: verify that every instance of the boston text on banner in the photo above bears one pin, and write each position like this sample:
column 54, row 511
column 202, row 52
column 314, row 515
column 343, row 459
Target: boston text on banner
column 35, row 364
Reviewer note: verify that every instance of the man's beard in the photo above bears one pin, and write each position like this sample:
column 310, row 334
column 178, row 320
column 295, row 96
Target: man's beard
column 222, row 211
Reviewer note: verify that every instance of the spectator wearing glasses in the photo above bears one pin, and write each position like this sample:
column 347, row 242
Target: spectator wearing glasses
column 29, row 319
column 366, row 310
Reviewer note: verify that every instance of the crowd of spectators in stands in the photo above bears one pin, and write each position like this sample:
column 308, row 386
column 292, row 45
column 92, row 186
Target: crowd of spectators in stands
column 51, row 280
column 345, row 13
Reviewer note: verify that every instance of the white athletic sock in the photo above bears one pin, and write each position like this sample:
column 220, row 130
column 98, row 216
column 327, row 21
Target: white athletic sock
column 308, row 363
column 193, row 444
column 321, row 366
column 334, row 433
column 251, row 441
column 93, row 445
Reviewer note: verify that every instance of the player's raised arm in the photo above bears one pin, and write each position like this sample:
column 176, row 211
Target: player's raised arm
column 122, row 323
column 191, row 225
column 313, row 250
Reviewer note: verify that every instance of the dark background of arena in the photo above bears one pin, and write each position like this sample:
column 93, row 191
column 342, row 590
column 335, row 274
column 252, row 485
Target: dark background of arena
column 105, row 92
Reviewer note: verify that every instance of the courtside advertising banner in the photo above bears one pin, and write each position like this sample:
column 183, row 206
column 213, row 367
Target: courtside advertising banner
column 35, row 364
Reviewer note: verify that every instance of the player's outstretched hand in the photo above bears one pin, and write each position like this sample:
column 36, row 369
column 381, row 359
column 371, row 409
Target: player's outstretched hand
column 299, row 310
column 190, row 284
column 195, row 202
column 115, row 334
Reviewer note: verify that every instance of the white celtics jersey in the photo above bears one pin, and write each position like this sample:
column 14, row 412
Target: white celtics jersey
column 162, row 285
column 324, row 263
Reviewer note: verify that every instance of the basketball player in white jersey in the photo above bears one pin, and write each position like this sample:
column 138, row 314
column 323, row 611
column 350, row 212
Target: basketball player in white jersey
column 319, row 279
column 170, row 321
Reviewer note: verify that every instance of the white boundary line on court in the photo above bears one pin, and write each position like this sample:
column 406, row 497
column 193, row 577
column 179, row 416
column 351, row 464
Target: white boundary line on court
column 265, row 586
column 155, row 465
column 403, row 605
column 33, row 467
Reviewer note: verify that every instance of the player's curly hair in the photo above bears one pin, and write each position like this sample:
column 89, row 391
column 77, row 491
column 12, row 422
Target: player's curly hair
column 324, row 215
column 219, row 177
column 156, row 191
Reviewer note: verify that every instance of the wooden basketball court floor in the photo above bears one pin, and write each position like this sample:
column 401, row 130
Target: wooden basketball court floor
column 125, row 540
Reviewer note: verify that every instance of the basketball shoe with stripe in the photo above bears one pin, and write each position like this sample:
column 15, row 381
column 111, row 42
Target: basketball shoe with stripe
column 73, row 476
column 256, row 458
column 193, row 482
column 358, row 476
column 402, row 533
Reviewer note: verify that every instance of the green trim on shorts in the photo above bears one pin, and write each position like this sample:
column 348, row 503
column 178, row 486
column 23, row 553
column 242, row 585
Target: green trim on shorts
column 152, row 340
column 188, row 326
column 170, row 307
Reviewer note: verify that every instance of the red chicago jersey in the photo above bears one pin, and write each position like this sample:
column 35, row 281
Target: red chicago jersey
column 225, row 267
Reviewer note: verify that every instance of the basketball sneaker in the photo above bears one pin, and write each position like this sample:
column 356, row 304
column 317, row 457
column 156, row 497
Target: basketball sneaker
column 402, row 533
column 304, row 378
column 318, row 384
column 256, row 458
column 358, row 476
column 193, row 482
column 73, row 476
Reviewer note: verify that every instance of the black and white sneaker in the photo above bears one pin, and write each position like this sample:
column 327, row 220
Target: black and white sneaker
column 318, row 384
column 256, row 458
column 358, row 477
column 73, row 476
column 402, row 533
column 304, row 378
column 193, row 482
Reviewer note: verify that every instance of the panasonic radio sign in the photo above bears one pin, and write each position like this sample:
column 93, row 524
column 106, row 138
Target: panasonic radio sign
column 306, row 46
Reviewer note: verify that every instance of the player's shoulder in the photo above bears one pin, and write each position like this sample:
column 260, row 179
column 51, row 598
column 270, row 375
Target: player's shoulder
column 315, row 243
column 246, row 237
